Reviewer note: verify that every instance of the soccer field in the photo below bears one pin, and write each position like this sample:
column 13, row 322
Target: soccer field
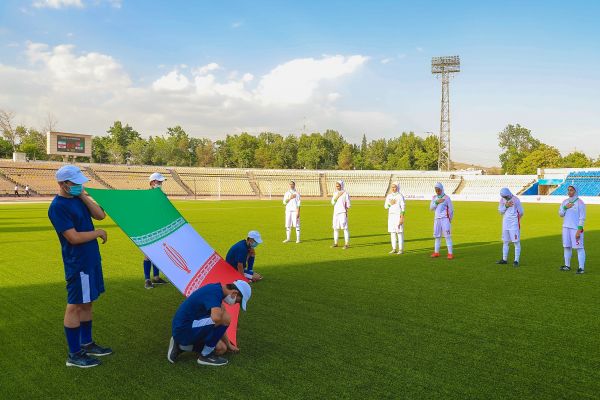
column 324, row 323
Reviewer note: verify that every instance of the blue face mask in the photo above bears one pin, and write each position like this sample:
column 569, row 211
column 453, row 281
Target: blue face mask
column 254, row 245
column 75, row 190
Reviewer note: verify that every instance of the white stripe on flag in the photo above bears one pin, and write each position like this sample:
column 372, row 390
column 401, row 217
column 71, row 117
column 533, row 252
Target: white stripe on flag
column 198, row 323
column 85, row 287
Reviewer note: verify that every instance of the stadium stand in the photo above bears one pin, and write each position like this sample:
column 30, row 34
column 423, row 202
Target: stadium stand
column 216, row 181
column 587, row 183
column 276, row 182
column 491, row 184
column 133, row 177
column 6, row 187
column 414, row 184
column 359, row 183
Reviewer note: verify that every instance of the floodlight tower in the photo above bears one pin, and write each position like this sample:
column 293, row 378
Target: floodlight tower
column 446, row 67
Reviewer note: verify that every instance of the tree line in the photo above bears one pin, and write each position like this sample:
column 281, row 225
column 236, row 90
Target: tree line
column 122, row 144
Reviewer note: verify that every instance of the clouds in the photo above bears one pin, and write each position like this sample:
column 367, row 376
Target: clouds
column 87, row 91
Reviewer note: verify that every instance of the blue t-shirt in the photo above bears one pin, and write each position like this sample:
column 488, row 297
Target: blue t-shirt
column 197, row 306
column 66, row 213
column 238, row 253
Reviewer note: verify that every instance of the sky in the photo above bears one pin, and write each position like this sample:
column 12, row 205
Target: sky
column 358, row 67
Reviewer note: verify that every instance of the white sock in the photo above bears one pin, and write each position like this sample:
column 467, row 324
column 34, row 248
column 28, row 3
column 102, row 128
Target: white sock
column 517, row 251
column 298, row 233
column 568, row 254
column 346, row 236
column 449, row 244
column 401, row 241
column 393, row 237
column 207, row 350
column 287, row 233
column 438, row 242
column 336, row 236
column 188, row 347
column 505, row 251
column 581, row 258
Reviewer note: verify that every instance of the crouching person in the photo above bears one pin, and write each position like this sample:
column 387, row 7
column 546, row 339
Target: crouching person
column 201, row 321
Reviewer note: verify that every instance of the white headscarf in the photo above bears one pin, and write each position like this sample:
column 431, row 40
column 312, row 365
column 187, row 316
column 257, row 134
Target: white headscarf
column 397, row 186
column 341, row 182
column 576, row 195
column 505, row 192
column 441, row 187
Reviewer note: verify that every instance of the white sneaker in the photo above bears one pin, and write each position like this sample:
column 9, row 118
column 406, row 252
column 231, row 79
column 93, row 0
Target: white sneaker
column 400, row 252
column 392, row 252
column 286, row 240
column 298, row 241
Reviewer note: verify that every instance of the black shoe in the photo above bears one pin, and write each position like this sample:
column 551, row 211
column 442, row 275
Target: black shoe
column 174, row 351
column 212, row 359
column 580, row 271
column 93, row 349
column 148, row 284
column 565, row 268
column 82, row 360
column 157, row 280
column 515, row 264
column 501, row 262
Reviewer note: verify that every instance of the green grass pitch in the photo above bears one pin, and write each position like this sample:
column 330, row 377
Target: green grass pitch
column 324, row 323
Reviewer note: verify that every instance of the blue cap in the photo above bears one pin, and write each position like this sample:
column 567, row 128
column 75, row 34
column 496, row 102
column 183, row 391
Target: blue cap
column 71, row 173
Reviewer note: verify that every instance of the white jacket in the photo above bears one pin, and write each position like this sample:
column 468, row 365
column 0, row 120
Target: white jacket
column 511, row 216
column 444, row 209
column 291, row 205
column 342, row 204
column 573, row 217
column 397, row 208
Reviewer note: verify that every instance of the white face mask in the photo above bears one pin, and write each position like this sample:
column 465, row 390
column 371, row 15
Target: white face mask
column 229, row 300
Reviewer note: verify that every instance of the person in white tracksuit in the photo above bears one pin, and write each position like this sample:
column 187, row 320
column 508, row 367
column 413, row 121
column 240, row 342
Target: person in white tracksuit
column 572, row 211
column 341, row 204
column 512, row 211
column 441, row 205
column 394, row 203
column 291, row 200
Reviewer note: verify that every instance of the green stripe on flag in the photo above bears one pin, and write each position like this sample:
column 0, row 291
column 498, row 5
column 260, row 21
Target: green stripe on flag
column 146, row 215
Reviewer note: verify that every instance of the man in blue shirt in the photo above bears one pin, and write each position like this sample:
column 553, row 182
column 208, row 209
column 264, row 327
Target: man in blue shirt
column 241, row 256
column 156, row 181
column 71, row 214
column 201, row 321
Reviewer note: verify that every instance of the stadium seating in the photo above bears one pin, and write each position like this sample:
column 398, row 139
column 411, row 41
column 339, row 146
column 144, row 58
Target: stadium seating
column 491, row 184
column 131, row 177
column 414, row 184
column 216, row 181
column 587, row 183
column 6, row 186
column 359, row 183
column 277, row 182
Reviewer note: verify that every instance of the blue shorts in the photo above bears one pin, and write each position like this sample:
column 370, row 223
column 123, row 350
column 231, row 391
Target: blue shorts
column 200, row 332
column 85, row 286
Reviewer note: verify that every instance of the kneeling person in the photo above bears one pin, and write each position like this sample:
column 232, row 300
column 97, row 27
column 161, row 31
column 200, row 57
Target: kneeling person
column 201, row 321
column 241, row 256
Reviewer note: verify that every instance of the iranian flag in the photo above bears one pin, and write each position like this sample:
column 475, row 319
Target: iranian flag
column 151, row 221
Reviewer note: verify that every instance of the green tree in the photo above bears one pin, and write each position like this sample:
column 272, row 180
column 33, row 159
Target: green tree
column 426, row 158
column 543, row 157
column 346, row 157
column 311, row 151
column 120, row 136
column 8, row 129
column 100, row 146
column 33, row 144
column 516, row 143
column 205, row 153
column 6, row 148
column 576, row 159
column 289, row 152
column 138, row 152
column 334, row 144
column 377, row 154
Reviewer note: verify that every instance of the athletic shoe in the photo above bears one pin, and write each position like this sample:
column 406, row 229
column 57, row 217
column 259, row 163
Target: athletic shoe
column 334, row 245
column 450, row 256
column 346, row 246
column 501, row 262
column 81, row 360
column 392, row 252
column 565, row 268
column 298, row 241
column 515, row 264
column 94, row 349
column 148, row 284
column 157, row 280
column 400, row 252
column 212, row 359
column 174, row 351
column 435, row 255
column 286, row 240
column 580, row 271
